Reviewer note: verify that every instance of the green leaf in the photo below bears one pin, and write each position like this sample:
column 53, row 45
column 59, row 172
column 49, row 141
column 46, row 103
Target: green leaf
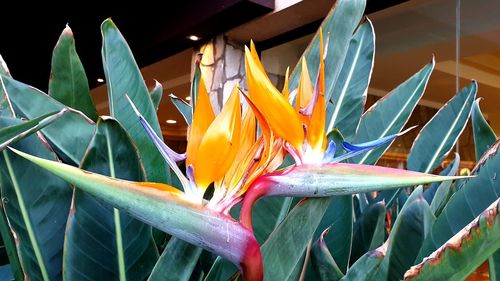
column 156, row 94
column 323, row 262
column 338, row 28
column 15, row 268
column 367, row 266
column 484, row 136
column 177, row 262
column 407, row 235
column 69, row 136
column 443, row 192
column 6, row 108
column 430, row 192
column 169, row 211
column 440, row 134
column 389, row 114
column 124, row 78
column 184, row 109
column 30, row 203
column 68, row 82
column 494, row 266
column 12, row 134
column 195, row 84
column 464, row 252
column 221, row 270
column 347, row 101
column 125, row 250
column 6, row 273
column 468, row 202
column 283, row 250
column 369, row 230
column 339, row 218
column 4, row 70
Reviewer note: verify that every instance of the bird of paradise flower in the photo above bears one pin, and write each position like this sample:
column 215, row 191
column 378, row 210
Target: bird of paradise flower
column 224, row 150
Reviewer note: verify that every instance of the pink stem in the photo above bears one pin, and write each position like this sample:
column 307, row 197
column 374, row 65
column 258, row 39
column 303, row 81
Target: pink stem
column 257, row 190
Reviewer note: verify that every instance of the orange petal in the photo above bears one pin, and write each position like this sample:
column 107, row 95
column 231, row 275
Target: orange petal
column 220, row 143
column 286, row 92
column 305, row 90
column 247, row 140
column 202, row 118
column 274, row 107
column 160, row 186
column 316, row 136
column 255, row 56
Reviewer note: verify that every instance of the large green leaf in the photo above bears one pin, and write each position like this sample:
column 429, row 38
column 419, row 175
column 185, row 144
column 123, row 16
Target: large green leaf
column 409, row 231
column 168, row 210
column 444, row 191
column 177, row 262
column 221, row 270
column 369, row 230
column 68, row 81
column 389, row 114
column 124, row 78
column 464, row 252
column 484, row 136
column 156, row 94
column 125, row 250
column 468, row 202
column 12, row 134
column 346, row 104
column 338, row 28
column 37, row 209
column 339, row 218
column 323, row 262
column 367, row 266
column 69, row 136
column 282, row 251
column 440, row 134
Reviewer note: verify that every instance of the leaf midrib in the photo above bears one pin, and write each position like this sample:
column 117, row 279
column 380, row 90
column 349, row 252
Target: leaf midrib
column 116, row 214
column 445, row 139
column 26, row 218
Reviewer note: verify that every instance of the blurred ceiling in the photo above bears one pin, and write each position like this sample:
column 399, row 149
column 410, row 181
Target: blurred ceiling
column 153, row 33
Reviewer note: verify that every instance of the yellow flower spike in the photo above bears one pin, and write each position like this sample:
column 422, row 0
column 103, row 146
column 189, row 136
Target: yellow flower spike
column 273, row 105
column 286, row 92
column 305, row 90
column 220, row 144
column 316, row 136
column 202, row 118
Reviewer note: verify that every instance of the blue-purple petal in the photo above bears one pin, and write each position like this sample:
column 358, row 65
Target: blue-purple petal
column 356, row 149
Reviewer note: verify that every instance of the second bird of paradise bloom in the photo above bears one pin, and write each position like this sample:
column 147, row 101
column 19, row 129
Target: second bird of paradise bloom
column 225, row 151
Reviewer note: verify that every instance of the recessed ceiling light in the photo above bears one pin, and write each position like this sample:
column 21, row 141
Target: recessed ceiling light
column 193, row 38
column 171, row 121
column 188, row 98
column 100, row 80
